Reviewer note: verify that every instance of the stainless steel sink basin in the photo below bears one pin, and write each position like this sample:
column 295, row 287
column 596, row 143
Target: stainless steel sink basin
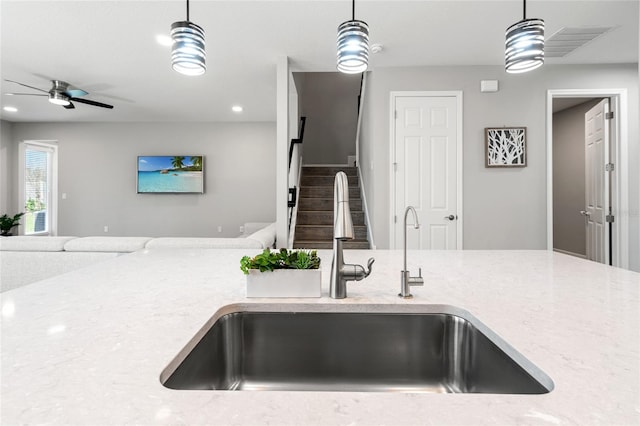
column 408, row 348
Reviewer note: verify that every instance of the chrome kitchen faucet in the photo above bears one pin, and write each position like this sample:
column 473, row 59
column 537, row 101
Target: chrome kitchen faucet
column 406, row 280
column 343, row 230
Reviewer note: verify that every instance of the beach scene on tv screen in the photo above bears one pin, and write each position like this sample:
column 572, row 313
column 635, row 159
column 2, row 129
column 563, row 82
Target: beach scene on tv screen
column 170, row 174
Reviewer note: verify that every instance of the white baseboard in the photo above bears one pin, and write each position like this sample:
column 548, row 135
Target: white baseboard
column 581, row 256
column 327, row 165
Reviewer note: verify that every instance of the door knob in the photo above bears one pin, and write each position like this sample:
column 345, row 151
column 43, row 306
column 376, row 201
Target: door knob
column 585, row 213
column 451, row 217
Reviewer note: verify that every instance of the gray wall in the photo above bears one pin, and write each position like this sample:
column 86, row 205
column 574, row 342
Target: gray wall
column 503, row 208
column 7, row 154
column 569, row 231
column 97, row 171
column 329, row 100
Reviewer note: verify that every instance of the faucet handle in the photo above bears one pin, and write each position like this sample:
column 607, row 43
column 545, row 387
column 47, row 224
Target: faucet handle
column 369, row 264
column 416, row 280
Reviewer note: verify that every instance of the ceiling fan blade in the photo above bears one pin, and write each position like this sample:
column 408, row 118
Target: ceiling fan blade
column 26, row 85
column 74, row 93
column 24, row 94
column 90, row 102
column 70, row 106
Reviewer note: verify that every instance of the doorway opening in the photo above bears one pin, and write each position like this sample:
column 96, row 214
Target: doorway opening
column 574, row 225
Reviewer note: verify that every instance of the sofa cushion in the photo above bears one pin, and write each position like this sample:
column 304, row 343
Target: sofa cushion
column 265, row 236
column 203, row 243
column 33, row 243
column 107, row 244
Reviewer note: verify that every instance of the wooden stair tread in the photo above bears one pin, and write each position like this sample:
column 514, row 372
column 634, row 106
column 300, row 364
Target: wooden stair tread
column 328, row 245
column 328, row 171
column 314, row 222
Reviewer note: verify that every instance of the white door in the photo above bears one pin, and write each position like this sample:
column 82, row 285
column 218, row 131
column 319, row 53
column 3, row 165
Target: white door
column 426, row 170
column 597, row 182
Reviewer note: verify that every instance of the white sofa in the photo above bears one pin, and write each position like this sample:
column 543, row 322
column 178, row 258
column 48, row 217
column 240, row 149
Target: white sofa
column 26, row 259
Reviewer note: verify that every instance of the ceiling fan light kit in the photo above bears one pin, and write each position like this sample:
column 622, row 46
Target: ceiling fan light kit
column 61, row 94
column 524, row 44
column 353, row 45
column 188, row 54
column 58, row 98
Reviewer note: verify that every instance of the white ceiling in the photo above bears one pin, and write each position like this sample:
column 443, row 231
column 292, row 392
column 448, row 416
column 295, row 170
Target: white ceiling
column 108, row 48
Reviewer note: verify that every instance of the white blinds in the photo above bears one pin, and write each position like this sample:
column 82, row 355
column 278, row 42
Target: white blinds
column 36, row 187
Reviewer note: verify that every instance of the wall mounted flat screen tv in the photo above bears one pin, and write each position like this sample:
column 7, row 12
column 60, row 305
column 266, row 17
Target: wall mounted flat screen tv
column 179, row 174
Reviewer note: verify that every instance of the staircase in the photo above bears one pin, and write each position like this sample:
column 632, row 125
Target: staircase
column 314, row 222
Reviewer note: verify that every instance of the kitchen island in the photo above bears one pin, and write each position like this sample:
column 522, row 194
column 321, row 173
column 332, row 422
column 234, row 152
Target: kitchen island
column 88, row 347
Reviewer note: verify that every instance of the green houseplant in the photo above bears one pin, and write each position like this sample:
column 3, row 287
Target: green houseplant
column 283, row 273
column 7, row 223
column 283, row 259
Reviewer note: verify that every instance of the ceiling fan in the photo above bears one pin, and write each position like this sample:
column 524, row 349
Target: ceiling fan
column 61, row 94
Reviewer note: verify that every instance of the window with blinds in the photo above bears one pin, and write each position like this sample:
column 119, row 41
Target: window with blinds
column 37, row 189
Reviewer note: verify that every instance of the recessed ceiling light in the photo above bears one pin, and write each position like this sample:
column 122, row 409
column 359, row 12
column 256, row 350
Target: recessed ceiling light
column 10, row 109
column 376, row 48
column 236, row 108
column 164, row 40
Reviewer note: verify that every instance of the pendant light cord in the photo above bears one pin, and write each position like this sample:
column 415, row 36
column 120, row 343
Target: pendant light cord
column 524, row 9
column 353, row 10
column 187, row 10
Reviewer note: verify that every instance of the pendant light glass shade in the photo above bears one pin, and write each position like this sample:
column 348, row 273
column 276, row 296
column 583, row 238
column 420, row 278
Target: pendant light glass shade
column 188, row 56
column 353, row 44
column 524, row 44
column 353, row 47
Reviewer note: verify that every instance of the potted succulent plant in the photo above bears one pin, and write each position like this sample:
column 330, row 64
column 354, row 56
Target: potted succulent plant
column 283, row 273
column 7, row 223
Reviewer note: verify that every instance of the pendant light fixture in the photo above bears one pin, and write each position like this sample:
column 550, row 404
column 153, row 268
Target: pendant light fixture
column 353, row 44
column 187, row 54
column 524, row 45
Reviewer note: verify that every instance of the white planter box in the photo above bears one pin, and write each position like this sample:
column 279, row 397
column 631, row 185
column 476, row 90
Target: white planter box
column 284, row 283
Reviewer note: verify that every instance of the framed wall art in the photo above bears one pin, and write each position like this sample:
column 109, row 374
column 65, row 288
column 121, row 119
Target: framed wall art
column 505, row 146
column 170, row 174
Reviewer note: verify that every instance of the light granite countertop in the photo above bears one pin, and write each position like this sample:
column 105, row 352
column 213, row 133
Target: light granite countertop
column 88, row 347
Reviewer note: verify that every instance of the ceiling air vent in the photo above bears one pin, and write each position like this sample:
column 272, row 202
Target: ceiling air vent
column 566, row 40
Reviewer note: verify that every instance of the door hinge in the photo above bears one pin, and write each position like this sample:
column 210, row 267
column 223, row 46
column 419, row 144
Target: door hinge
column 609, row 167
column 395, row 219
column 395, row 167
column 395, row 114
column 609, row 218
column 609, row 115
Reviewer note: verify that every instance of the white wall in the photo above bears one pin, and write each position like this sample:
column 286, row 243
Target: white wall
column 97, row 163
column 569, row 230
column 329, row 100
column 7, row 185
column 503, row 208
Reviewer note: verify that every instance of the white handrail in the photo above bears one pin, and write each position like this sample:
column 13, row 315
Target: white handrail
column 362, row 187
